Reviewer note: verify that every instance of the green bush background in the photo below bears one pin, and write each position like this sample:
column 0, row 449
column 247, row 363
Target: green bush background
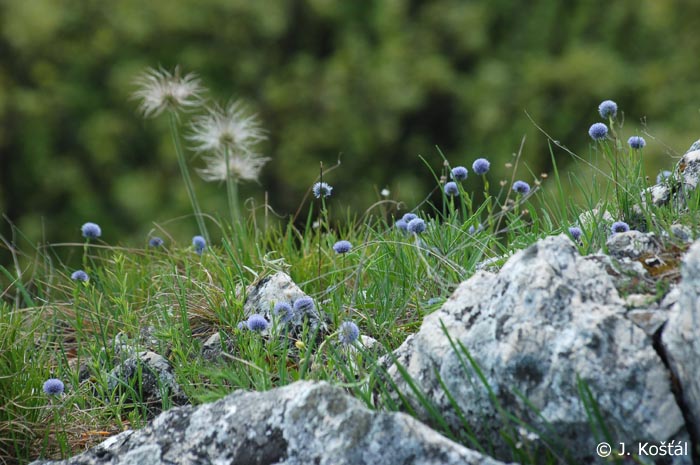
column 380, row 82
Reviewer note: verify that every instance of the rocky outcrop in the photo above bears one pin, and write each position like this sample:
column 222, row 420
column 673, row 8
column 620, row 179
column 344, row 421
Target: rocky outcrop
column 681, row 341
column 548, row 327
column 303, row 423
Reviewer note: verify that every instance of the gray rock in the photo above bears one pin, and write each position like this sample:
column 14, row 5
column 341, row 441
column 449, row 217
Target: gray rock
column 279, row 287
column 649, row 320
column 694, row 146
column 148, row 376
column 689, row 168
column 548, row 318
column 595, row 216
column 632, row 244
column 303, row 423
column 658, row 194
column 681, row 338
column 213, row 348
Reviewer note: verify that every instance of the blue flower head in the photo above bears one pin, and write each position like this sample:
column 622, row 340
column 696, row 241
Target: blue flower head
column 636, row 142
column 242, row 325
column 199, row 244
column 257, row 322
column 91, row 230
column 619, row 227
column 322, row 189
column 283, row 311
column 607, row 109
column 53, row 387
column 662, row 176
column 521, row 187
column 416, row 226
column 155, row 241
column 79, row 275
column 481, row 166
column 472, row 229
column 342, row 247
column 409, row 216
column 304, row 305
column 451, row 188
column 402, row 225
column 459, row 173
column 575, row 233
column 598, row 131
column 348, row 332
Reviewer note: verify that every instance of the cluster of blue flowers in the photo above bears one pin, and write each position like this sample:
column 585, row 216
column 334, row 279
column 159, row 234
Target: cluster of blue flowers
column 599, row 131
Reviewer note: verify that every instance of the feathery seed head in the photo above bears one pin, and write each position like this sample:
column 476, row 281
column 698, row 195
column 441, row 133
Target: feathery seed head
column 241, row 167
column 161, row 90
column 230, row 128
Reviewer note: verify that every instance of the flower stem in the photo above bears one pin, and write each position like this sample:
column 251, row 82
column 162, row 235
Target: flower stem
column 186, row 177
column 231, row 190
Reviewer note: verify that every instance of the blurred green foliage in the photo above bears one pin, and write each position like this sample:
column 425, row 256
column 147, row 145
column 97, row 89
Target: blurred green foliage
column 380, row 82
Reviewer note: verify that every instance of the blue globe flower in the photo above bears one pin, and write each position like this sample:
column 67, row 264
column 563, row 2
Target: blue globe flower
column 348, row 332
column 607, row 109
column 304, row 305
column 199, row 244
column 598, row 131
column 342, row 247
column 662, row 176
column 402, row 225
column 619, row 227
column 575, row 233
column 155, row 241
column 91, row 230
column 459, row 173
column 636, row 142
column 257, row 322
column 409, row 216
column 283, row 311
column 79, row 275
column 451, row 188
column 416, row 226
column 322, row 189
column 53, row 387
column 521, row 187
column 481, row 166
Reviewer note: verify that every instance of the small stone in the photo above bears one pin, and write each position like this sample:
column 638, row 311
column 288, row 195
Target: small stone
column 632, row 244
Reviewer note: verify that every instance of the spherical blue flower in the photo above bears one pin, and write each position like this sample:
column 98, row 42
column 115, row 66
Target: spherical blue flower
column 598, row 131
column 322, row 189
column 409, row 216
column 607, row 109
column 416, row 226
column 348, row 332
column 91, row 230
column 284, row 311
column 402, row 225
column 459, row 173
column 481, row 166
column 257, row 322
column 472, row 229
column 53, row 387
column 79, row 275
column 662, row 176
column 636, row 142
column 199, row 244
column 521, row 187
column 619, row 227
column 342, row 247
column 155, row 241
column 304, row 305
column 575, row 232
column 451, row 188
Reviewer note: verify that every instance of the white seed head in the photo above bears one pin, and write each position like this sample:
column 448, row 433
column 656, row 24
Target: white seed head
column 241, row 167
column 229, row 128
column 161, row 90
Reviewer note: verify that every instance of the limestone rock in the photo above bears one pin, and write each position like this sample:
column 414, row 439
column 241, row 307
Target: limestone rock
column 689, row 169
column 303, row 423
column 546, row 320
column 150, row 375
column 681, row 338
column 632, row 244
column 213, row 347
